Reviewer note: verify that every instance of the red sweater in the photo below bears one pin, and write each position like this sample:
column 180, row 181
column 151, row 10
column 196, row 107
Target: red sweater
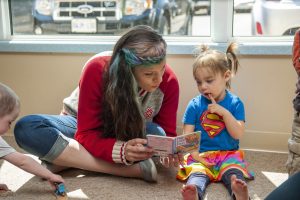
column 90, row 109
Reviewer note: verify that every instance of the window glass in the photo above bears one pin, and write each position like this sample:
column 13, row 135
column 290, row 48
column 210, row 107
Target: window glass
column 109, row 17
column 266, row 17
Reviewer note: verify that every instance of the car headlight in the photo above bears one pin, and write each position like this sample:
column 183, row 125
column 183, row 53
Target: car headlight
column 44, row 7
column 137, row 7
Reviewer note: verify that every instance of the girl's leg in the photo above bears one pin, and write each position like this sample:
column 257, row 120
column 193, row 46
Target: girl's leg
column 45, row 136
column 75, row 155
column 239, row 188
column 226, row 178
column 287, row 190
column 50, row 138
column 199, row 180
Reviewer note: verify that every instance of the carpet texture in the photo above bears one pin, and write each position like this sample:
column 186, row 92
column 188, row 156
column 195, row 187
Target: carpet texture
column 268, row 167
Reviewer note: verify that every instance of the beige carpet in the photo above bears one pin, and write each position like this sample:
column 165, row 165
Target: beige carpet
column 268, row 167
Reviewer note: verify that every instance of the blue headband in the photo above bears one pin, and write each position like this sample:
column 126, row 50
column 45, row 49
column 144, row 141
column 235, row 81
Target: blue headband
column 133, row 60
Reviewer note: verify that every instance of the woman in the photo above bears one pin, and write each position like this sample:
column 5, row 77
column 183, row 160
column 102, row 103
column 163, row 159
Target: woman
column 120, row 99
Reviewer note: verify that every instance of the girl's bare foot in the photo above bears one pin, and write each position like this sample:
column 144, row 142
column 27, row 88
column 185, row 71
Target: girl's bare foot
column 189, row 192
column 239, row 188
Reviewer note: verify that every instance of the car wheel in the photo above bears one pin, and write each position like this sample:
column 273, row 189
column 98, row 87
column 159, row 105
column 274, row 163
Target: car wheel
column 37, row 29
column 164, row 27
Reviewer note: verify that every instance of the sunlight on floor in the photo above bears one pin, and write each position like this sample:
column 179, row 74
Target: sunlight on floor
column 77, row 194
column 9, row 175
column 275, row 178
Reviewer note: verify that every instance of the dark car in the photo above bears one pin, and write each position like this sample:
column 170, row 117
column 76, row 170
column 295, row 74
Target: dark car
column 112, row 16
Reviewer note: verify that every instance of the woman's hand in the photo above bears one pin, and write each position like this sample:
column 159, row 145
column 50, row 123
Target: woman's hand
column 135, row 150
column 172, row 160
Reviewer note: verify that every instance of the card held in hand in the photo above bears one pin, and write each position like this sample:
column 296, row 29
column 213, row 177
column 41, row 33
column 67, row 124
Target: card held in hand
column 164, row 145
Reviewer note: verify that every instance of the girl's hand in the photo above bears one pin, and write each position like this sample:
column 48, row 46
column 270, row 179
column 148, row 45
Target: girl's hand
column 53, row 179
column 3, row 187
column 172, row 160
column 216, row 108
column 135, row 150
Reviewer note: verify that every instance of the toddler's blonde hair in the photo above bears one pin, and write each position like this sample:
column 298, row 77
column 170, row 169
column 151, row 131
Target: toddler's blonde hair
column 217, row 61
column 8, row 100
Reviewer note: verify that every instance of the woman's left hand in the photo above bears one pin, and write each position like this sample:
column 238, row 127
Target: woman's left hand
column 172, row 160
column 135, row 150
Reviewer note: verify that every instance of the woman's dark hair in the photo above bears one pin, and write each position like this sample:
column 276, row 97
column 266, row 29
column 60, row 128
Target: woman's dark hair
column 123, row 119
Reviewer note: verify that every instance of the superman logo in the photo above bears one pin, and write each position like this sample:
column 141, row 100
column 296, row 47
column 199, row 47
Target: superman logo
column 212, row 123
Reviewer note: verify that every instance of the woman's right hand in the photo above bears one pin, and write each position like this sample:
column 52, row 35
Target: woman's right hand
column 136, row 150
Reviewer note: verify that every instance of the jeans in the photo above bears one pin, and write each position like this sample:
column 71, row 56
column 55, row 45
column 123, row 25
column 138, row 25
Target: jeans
column 293, row 162
column 287, row 190
column 202, row 180
column 46, row 136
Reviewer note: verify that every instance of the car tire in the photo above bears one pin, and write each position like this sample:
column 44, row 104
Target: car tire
column 37, row 29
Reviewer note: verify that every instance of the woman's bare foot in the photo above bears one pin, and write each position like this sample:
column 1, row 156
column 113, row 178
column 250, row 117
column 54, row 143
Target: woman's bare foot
column 239, row 188
column 189, row 192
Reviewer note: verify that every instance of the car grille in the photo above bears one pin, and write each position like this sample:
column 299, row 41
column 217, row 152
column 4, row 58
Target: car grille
column 103, row 10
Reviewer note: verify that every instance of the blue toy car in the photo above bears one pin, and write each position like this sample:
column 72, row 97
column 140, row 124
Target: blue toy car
column 60, row 189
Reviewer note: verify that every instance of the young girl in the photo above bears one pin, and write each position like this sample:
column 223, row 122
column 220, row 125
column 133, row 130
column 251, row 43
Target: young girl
column 121, row 97
column 220, row 116
column 9, row 111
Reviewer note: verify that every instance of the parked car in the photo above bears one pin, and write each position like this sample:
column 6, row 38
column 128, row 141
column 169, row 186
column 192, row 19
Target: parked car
column 243, row 6
column 112, row 16
column 201, row 7
column 275, row 17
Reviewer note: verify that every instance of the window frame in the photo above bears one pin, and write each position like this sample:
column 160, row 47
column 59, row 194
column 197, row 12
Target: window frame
column 221, row 34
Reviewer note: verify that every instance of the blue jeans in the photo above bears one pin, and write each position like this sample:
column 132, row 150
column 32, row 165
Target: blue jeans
column 46, row 136
column 287, row 190
column 202, row 180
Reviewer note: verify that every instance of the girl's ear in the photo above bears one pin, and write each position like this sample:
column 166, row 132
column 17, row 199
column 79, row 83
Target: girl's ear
column 227, row 75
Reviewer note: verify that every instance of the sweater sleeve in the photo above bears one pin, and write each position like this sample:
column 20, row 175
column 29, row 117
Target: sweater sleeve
column 167, row 115
column 90, row 123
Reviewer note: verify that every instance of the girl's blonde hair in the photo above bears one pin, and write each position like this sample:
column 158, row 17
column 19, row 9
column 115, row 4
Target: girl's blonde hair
column 8, row 100
column 217, row 61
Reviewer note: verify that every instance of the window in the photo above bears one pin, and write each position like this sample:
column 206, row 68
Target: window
column 82, row 25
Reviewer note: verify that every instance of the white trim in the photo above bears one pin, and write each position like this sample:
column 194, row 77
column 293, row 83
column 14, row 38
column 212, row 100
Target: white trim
column 222, row 12
column 4, row 20
column 221, row 33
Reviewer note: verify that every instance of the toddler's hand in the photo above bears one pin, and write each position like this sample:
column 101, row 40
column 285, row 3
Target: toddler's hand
column 54, row 179
column 172, row 160
column 215, row 108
